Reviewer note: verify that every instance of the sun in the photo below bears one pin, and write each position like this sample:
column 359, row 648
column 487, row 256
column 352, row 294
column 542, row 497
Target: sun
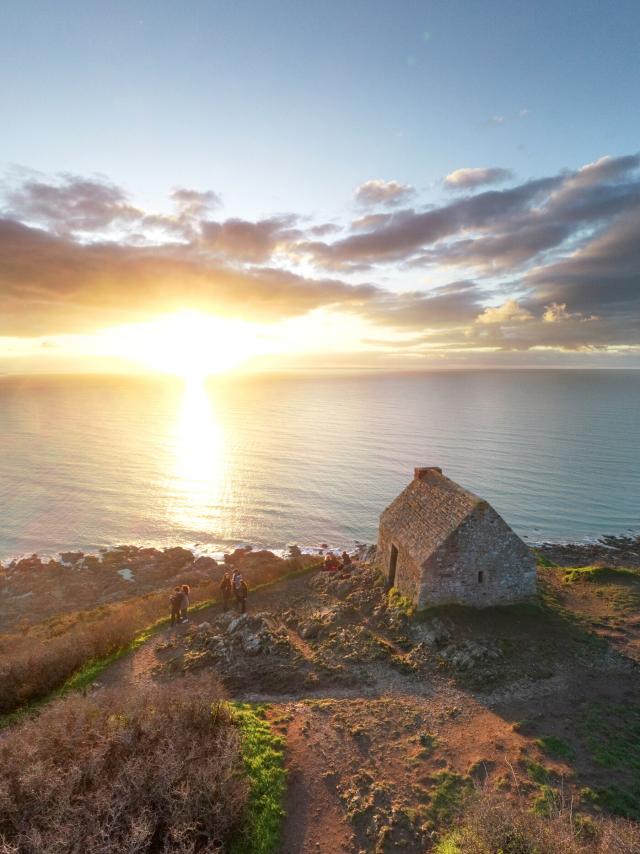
column 189, row 344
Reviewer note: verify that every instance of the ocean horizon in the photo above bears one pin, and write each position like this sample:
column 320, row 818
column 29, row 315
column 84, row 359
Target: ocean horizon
column 92, row 461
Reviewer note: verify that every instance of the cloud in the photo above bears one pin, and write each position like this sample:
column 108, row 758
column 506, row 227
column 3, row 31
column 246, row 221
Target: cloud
column 601, row 277
column 453, row 305
column 370, row 221
column 243, row 240
column 468, row 179
column 408, row 231
column 509, row 312
column 552, row 262
column 387, row 193
column 70, row 203
column 493, row 230
column 557, row 313
column 53, row 284
column 195, row 203
column 500, row 119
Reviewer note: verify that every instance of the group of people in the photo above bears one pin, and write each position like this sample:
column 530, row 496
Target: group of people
column 234, row 585
column 179, row 603
column 335, row 564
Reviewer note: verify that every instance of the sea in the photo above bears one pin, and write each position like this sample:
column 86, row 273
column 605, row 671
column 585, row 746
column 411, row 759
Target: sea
column 89, row 462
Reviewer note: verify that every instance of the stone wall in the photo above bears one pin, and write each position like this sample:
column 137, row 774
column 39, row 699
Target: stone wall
column 408, row 570
column 483, row 543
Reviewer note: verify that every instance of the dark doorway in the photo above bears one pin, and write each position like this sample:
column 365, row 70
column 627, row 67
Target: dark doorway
column 393, row 562
column 480, row 577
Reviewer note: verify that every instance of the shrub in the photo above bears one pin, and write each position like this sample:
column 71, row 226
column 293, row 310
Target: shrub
column 156, row 770
column 492, row 823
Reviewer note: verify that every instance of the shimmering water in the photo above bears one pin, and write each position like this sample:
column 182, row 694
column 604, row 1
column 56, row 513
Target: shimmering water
column 90, row 462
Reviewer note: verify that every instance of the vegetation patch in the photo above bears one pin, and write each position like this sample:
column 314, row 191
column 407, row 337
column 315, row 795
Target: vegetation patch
column 400, row 603
column 599, row 574
column 612, row 735
column 555, row 747
column 263, row 757
column 614, row 799
column 146, row 771
column 492, row 823
column 537, row 772
column 446, row 796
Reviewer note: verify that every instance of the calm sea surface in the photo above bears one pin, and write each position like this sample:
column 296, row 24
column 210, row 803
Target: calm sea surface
column 91, row 462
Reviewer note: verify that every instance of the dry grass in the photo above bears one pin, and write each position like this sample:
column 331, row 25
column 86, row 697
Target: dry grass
column 37, row 661
column 492, row 822
column 159, row 770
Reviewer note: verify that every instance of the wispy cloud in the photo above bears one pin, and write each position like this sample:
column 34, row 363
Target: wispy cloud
column 468, row 179
column 387, row 193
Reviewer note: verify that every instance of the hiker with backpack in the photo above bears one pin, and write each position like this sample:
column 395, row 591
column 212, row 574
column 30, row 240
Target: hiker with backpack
column 240, row 590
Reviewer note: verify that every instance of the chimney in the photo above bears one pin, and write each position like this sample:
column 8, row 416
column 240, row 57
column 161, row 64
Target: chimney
column 422, row 471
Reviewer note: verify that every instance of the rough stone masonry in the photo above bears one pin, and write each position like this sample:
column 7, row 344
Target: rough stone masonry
column 440, row 544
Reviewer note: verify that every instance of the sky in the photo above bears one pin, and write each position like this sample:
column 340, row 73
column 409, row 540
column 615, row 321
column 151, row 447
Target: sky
column 319, row 186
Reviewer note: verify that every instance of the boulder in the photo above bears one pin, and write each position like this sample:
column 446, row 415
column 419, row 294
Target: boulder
column 309, row 629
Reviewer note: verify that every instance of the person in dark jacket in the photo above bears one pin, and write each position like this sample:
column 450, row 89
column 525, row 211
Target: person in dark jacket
column 226, row 590
column 240, row 591
column 175, row 602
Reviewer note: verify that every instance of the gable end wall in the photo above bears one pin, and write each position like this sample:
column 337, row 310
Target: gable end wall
column 482, row 543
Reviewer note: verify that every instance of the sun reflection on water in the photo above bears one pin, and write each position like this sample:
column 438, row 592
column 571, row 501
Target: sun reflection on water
column 199, row 460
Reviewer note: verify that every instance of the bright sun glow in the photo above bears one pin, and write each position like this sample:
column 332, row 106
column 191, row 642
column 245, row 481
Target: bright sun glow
column 189, row 344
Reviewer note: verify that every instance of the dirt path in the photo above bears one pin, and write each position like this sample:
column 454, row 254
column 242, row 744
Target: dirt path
column 138, row 667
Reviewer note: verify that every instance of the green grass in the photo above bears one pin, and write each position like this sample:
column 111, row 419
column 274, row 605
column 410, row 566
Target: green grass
column 614, row 799
column 446, row 796
column 599, row 574
column 263, row 757
column 92, row 669
column 555, row 747
column 541, row 560
column 537, row 772
column 611, row 733
column 399, row 602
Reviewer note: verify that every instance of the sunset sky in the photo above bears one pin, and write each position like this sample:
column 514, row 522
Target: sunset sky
column 273, row 185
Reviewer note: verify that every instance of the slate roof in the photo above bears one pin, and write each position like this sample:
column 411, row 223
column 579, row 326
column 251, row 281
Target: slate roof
column 427, row 512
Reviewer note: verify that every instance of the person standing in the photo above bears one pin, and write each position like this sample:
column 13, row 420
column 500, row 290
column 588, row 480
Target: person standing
column 240, row 591
column 175, row 602
column 184, row 604
column 225, row 590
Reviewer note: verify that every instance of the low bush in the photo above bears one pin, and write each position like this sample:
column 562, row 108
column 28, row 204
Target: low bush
column 157, row 770
column 493, row 823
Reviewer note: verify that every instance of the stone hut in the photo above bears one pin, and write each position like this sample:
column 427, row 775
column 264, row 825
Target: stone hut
column 439, row 544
